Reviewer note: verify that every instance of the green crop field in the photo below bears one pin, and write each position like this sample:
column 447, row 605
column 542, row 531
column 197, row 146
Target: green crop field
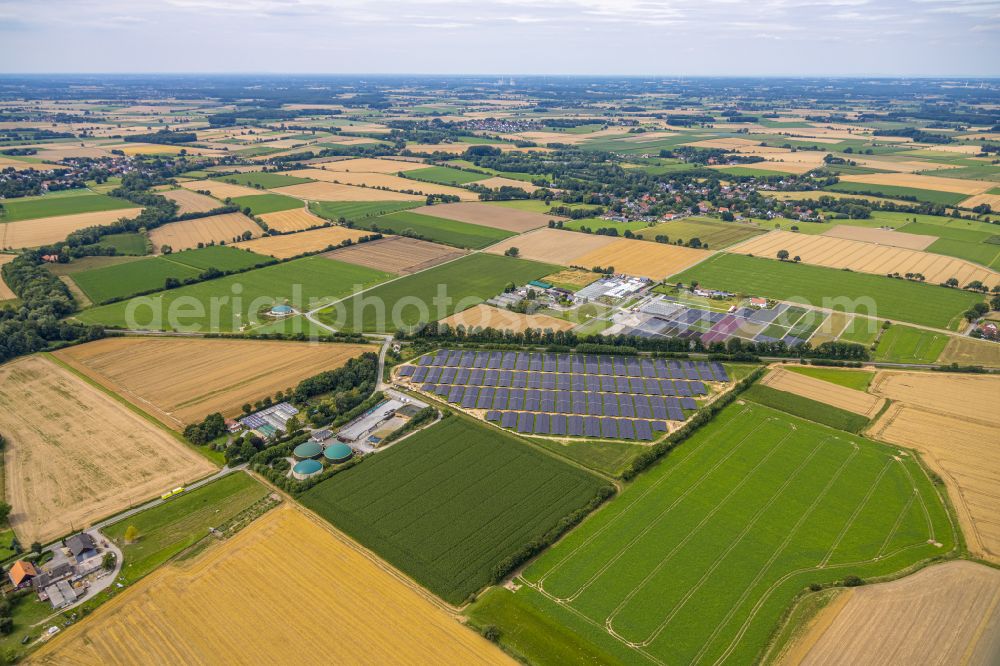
column 358, row 211
column 858, row 380
column 861, row 330
column 261, row 204
column 750, row 171
column 897, row 191
column 133, row 244
column 445, row 175
column 697, row 560
column 49, row 206
column 167, row 529
column 960, row 241
column 715, row 233
column 450, row 503
column 221, row 257
column 439, row 230
column 232, row 302
column 806, row 408
column 904, row 344
column 979, row 172
column 261, row 179
column 411, row 300
column 926, row 304
column 594, row 223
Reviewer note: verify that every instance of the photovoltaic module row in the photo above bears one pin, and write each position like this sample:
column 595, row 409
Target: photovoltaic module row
column 554, row 381
column 573, row 402
column 576, row 426
column 589, row 364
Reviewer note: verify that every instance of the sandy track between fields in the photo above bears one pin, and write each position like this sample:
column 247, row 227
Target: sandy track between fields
column 881, row 237
column 291, row 245
column 826, row 392
column 74, row 454
column 45, row 230
column 215, row 228
column 5, row 291
column 334, row 192
column 487, row 316
column 953, row 420
column 938, row 183
column 944, row 614
column 189, row 201
column 182, row 380
column 396, row 254
column 489, row 215
column 382, row 180
column 209, row 610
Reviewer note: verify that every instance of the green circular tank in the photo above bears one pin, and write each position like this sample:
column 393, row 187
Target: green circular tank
column 306, row 468
column 307, row 450
column 338, row 453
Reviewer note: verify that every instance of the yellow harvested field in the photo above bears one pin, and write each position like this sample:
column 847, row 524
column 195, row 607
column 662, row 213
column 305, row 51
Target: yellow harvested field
column 334, row 192
column 189, row 201
column 824, row 250
column 724, row 144
column 797, row 168
column 397, row 254
column 18, row 165
column 220, row 190
column 75, row 454
column 939, row 183
column 489, row 215
column 207, row 611
column 969, row 351
column 487, row 316
column 890, row 163
column 952, row 420
column 183, row 380
column 554, row 246
column 944, row 614
column 215, row 228
column 5, row 291
column 296, row 219
column 291, row 245
column 369, row 165
column 643, row 259
column 978, row 200
column 459, row 148
column 573, row 277
column 814, row 195
column 45, row 230
column 826, row 392
column 964, row 149
column 881, row 237
column 382, row 180
column 497, row 182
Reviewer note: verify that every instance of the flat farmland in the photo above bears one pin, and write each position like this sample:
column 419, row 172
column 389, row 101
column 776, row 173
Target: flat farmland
column 496, row 182
column 446, row 175
column 938, row 183
column 198, row 611
column 322, row 191
column 262, row 179
column 991, row 198
column 262, row 204
column 181, row 381
column 487, row 316
column 554, row 246
column 286, row 246
column 969, row 351
column 214, row 229
column 384, row 180
column 651, row 260
column 880, row 237
column 413, row 299
column 5, row 291
column 74, row 454
column 897, row 191
column 487, row 215
column 219, row 190
column 189, row 201
column 944, row 614
column 45, row 230
column 30, row 208
column 852, row 400
column 698, row 558
column 713, row 233
column 438, row 229
column 452, row 502
column 865, row 257
column 396, row 254
column 296, row 219
column 905, row 344
column 373, row 165
column 873, row 295
column 235, row 302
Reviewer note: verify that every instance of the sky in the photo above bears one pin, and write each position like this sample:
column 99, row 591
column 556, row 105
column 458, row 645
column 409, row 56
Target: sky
column 599, row 37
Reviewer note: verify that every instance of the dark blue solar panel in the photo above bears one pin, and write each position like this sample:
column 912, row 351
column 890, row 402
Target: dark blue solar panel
column 509, row 358
column 535, row 363
column 690, row 370
column 519, row 380
column 534, row 380
column 659, row 411
column 621, row 385
column 607, row 367
column 516, row 399
column 593, row 383
column 667, row 387
column 675, row 414
column 652, row 387
column 626, row 406
column 550, row 364
column 433, row 374
column 635, row 385
column 492, row 415
column 564, row 382
column 470, row 396
column 448, row 375
column 564, row 363
column 609, row 428
column 454, row 358
column 557, row 424
column 429, row 388
column 607, row 384
column 476, row 377
column 441, row 357
column 579, row 383
column 462, row 376
column 698, row 388
column 688, row 403
column 426, row 360
column 720, row 372
column 659, row 426
column 482, row 358
column 610, row 405
column 503, row 379
column 532, row 404
column 648, row 369
column 625, row 429
column 522, row 361
column 683, row 388
column 574, row 425
column 633, row 369
column 547, row 405
column 490, row 378
column 594, row 404
column 564, row 406
column 548, row 381
column 419, row 374
column 643, row 430
column 642, row 409
column 496, row 358
column 509, row 419
column 443, row 389
column 406, row 371
column 500, row 399
column 455, row 394
column 619, row 367
column 542, row 424
column 592, row 426
column 525, row 422
column 485, row 400
column 467, row 359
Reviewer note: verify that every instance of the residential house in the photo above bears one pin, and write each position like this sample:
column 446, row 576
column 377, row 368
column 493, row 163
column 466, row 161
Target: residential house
column 22, row 573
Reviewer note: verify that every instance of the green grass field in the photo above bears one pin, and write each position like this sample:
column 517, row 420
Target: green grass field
column 697, row 560
column 902, row 300
column 265, row 180
column 439, row 230
column 979, row 172
column 445, row 175
column 858, row 380
column 51, row 206
column 904, row 344
column 222, row 257
column 716, row 233
column 235, row 301
column 413, row 299
column 451, row 502
column 861, row 330
column 595, row 223
column 806, row 408
column 261, row 204
column 962, row 241
column 896, row 191
column 132, row 244
column 750, row 171
column 167, row 529
column 358, row 211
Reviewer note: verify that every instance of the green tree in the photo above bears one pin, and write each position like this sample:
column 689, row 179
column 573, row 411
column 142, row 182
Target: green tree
column 782, row 254
column 131, row 534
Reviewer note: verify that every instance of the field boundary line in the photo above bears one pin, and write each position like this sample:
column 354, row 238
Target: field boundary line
column 896, row 524
column 857, row 511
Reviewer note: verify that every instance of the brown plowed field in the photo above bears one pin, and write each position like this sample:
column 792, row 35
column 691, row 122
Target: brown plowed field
column 189, row 201
column 216, row 228
column 296, row 219
column 5, row 291
column 332, row 605
column 643, row 259
column 182, row 380
column 45, row 230
column 969, row 351
column 835, row 395
column 553, row 246
column 953, row 420
column 291, row 245
column 489, row 215
column 945, row 614
column 220, row 190
column 382, row 180
column 74, row 454
column 396, row 254
column 487, row 316
column 881, row 237
column 335, row 192
column 939, row 183
column 824, row 250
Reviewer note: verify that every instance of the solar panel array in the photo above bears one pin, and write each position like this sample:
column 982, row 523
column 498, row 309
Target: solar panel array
column 582, row 395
